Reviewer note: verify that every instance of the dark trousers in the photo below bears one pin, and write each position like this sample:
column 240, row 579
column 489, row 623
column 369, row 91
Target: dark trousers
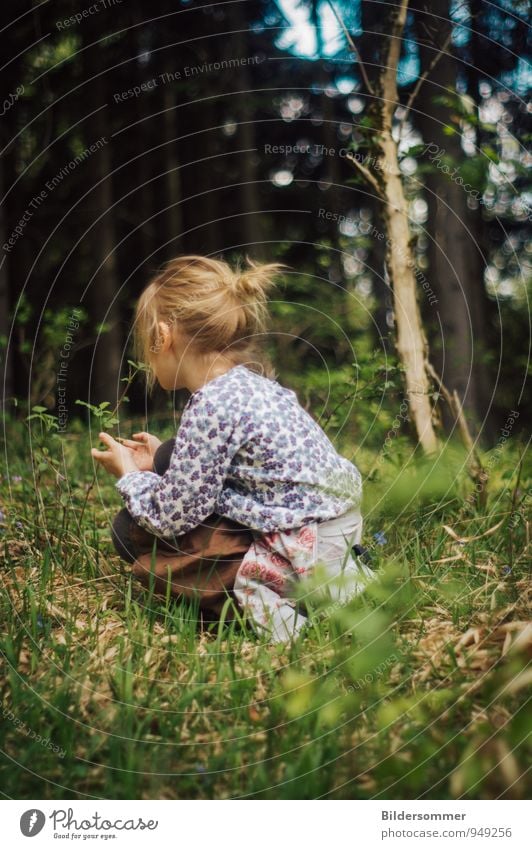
column 200, row 564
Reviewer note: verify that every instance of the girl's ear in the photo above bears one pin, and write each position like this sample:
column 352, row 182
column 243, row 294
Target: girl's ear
column 165, row 337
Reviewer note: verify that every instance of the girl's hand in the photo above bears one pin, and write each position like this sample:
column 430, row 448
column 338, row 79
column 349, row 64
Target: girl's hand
column 143, row 446
column 118, row 459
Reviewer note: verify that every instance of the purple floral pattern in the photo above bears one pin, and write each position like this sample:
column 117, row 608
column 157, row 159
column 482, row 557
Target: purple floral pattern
column 246, row 450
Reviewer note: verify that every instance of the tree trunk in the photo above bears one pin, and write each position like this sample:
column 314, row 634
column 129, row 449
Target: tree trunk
column 455, row 259
column 6, row 385
column 380, row 284
column 102, row 295
column 252, row 233
column 173, row 213
column 330, row 178
column 387, row 182
column 411, row 343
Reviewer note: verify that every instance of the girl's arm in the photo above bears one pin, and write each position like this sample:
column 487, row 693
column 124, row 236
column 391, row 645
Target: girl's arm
column 182, row 498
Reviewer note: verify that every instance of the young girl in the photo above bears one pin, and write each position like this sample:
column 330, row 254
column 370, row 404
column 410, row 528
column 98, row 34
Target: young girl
column 251, row 495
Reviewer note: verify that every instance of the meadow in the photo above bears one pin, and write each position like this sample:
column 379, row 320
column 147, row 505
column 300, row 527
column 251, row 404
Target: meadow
column 417, row 689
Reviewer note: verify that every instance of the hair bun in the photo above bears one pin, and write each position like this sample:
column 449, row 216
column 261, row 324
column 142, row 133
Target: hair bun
column 255, row 281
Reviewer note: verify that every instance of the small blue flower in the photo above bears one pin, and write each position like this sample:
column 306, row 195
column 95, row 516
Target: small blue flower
column 380, row 538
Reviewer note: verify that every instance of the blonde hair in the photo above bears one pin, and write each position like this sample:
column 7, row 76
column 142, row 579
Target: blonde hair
column 215, row 307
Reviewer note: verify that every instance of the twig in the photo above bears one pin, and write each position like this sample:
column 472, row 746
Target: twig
column 420, row 80
column 366, row 173
column 451, row 399
column 427, row 72
column 353, row 47
column 477, row 469
column 347, row 397
column 512, row 514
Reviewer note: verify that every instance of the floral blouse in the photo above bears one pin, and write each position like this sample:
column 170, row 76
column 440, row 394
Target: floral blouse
column 246, row 450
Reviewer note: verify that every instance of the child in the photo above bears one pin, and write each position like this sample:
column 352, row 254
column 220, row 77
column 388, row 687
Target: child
column 251, row 485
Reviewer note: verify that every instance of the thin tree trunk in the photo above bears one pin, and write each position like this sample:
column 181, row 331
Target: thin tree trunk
column 103, row 291
column 330, row 179
column 380, row 283
column 173, row 175
column 252, row 232
column 411, row 343
column 6, row 384
column 455, row 260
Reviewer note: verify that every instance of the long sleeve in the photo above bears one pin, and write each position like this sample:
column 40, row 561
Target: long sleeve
column 187, row 493
column 248, row 451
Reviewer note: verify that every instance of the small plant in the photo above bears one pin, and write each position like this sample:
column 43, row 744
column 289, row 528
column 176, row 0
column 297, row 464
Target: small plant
column 48, row 421
column 106, row 418
column 41, row 439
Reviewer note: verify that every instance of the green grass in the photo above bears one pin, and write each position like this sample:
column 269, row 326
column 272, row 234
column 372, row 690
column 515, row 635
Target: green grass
column 416, row 689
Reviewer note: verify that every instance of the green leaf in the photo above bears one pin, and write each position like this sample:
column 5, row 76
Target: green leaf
column 491, row 154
